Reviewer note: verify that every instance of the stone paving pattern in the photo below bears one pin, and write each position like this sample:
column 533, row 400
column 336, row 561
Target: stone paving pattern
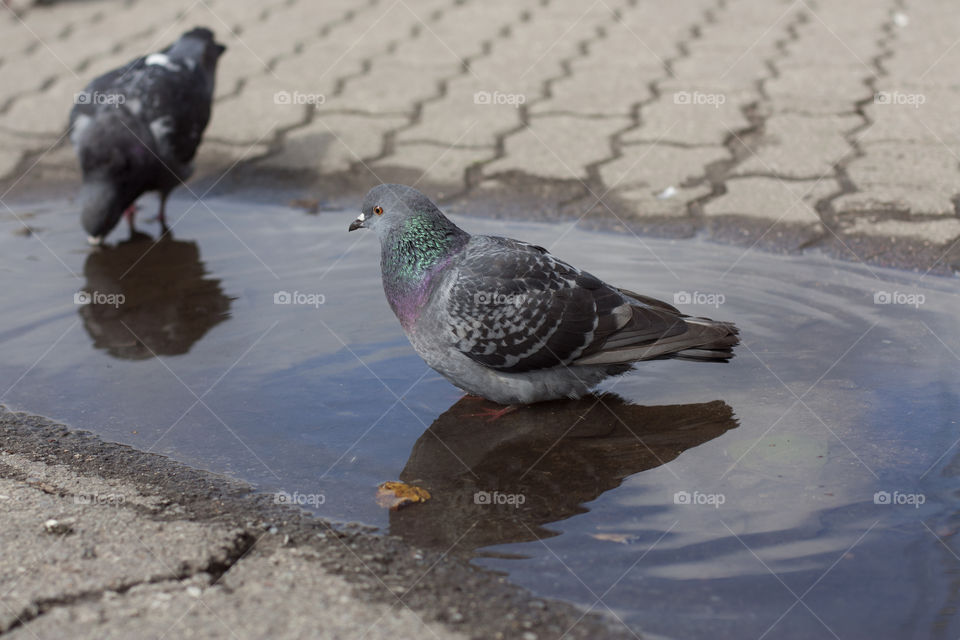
column 831, row 117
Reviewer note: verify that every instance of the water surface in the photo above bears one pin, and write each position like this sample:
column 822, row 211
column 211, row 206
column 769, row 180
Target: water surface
column 689, row 500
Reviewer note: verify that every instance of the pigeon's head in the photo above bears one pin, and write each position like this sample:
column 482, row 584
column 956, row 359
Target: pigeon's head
column 388, row 206
column 102, row 205
column 198, row 45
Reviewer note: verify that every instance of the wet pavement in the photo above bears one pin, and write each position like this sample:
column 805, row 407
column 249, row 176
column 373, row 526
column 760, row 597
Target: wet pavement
column 784, row 123
column 791, row 492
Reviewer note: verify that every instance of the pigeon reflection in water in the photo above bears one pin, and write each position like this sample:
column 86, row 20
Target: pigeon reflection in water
column 168, row 301
column 557, row 455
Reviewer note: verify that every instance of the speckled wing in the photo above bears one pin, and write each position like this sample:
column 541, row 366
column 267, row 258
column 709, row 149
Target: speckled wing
column 170, row 97
column 516, row 308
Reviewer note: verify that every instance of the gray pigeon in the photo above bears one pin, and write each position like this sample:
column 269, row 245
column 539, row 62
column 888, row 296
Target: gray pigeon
column 137, row 128
column 506, row 320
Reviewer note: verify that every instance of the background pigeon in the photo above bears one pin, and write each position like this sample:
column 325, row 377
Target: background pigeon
column 137, row 128
column 506, row 320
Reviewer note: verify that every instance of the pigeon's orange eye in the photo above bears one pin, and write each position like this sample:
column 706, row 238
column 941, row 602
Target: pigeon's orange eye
column 378, row 210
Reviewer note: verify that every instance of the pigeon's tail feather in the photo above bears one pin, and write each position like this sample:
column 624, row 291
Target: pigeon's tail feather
column 704, row 339
column 720, row 339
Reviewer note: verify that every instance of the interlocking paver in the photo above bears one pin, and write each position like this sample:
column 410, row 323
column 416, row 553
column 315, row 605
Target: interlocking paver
column 799, row 146
column 558, row 147
column 719, row 98
column 786, row 202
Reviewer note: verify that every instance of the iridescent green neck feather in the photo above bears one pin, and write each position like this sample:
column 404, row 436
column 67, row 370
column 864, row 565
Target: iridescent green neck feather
column 413, row 256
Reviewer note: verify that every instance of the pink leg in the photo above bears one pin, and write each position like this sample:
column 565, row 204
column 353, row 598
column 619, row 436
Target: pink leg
column 129, row 213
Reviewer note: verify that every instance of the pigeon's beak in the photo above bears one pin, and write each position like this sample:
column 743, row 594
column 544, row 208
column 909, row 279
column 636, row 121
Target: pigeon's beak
column 95, row 241
column 357, row 224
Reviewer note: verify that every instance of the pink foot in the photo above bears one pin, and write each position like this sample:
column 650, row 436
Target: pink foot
column 492, row 414
column 129, row 213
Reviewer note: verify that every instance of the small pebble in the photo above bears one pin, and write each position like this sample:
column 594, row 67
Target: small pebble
column 667, row 193
column 57, row 527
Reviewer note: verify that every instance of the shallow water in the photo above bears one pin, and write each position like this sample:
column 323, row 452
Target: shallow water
column 691, row 500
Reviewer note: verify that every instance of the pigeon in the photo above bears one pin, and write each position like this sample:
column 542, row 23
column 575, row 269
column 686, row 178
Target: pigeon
column 137, row 128
column 506, row 320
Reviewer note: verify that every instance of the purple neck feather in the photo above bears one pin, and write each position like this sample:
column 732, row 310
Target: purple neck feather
column 407, row 301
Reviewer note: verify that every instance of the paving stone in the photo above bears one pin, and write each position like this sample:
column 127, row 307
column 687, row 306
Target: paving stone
column 918, row 178
column 613, row 89
column 580, row 70
column 558, row 147
column 392, row 87
column 129, row 549
column 777, row 201
column 333, row 142
column 438, row 165
column 471, row 114
column 193, row 608
column 264, row 107
column 911, row 112
column 657, row 167
column 692, row 114
column 817, row 89
column 797, row 146
column 646, row 203
column 938, row 232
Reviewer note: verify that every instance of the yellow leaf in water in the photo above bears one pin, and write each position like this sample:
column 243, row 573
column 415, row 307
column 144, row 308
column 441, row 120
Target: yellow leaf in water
column 396, row 495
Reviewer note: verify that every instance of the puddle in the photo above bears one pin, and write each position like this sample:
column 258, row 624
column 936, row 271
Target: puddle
column 807, row 488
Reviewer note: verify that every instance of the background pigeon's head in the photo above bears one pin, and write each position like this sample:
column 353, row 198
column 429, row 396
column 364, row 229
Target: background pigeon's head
column 387, row 206
column 198, row 45
column 102, row 204
column 116, row 166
